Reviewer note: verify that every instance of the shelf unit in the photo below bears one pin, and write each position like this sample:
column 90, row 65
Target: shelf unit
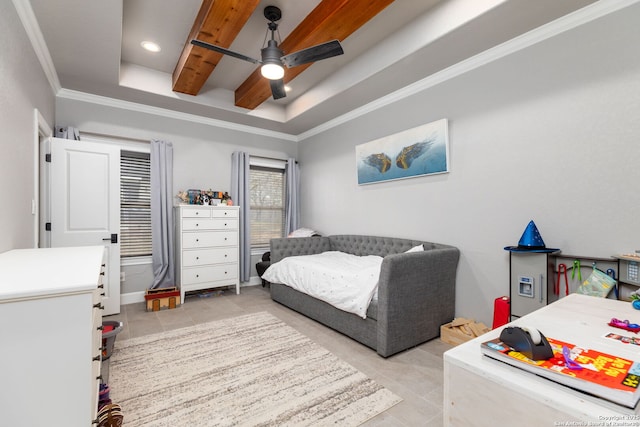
column 537, row 279
column 629, row 275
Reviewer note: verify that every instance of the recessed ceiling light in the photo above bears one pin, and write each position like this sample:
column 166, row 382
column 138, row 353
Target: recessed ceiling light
column 150, row 46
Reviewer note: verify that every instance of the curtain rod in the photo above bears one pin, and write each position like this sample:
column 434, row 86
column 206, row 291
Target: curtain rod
column 269, row 158
column 123, row 138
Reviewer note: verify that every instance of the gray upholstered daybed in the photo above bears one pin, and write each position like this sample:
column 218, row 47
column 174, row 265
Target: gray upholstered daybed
column 416, row 291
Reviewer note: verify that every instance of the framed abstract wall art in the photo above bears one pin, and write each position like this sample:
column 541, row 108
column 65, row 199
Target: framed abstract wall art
column 423, row 150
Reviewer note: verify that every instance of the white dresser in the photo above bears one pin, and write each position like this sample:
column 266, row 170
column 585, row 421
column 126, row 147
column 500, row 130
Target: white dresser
column 207, row 239
column 50, row 334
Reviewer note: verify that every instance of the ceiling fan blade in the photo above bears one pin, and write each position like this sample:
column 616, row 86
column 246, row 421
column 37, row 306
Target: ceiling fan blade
column 277, row 88
column 313, row 54
column 223, row 51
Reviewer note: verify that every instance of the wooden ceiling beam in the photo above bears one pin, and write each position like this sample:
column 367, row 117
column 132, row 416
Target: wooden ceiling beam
column 331, row 19
column 218, row 22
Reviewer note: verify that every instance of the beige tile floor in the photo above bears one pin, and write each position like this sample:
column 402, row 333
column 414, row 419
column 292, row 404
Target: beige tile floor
column 415, row 375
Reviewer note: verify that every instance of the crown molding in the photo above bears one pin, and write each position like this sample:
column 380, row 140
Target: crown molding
column 30, row 24
column 163, row 112
column 580, row 17
column 568, row 22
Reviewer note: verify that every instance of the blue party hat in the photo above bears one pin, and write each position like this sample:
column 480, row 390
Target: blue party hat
column 531, row 241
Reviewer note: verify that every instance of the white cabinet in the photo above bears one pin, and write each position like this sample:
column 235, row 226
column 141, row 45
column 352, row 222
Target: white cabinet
column 50, row 333
column 207, row 239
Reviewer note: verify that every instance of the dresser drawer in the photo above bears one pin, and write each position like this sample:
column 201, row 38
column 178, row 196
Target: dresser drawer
column 196, row 213
column 193, row 224
column 225, row 213
column 197, row 257
column 205, row 239
column 212, row 273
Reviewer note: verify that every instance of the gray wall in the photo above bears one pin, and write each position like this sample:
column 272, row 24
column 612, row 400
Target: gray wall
column 23, row 87
column 202, row 153
column 549, row 133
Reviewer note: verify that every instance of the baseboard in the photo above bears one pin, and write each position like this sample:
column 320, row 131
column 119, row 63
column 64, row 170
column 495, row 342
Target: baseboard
column 253, row 281
column 136, row 297
column 131, row 298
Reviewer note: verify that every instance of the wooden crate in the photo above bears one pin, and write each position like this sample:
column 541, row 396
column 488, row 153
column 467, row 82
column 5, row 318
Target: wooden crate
column 461, row 330
column 160, row 298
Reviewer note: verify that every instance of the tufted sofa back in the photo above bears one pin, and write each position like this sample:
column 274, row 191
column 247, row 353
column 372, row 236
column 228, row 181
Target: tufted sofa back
column 374, row 245
column 284, row 247
column 352, row 244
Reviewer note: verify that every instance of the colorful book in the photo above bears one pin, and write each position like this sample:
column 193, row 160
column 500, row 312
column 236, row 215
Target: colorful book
column 600, row 374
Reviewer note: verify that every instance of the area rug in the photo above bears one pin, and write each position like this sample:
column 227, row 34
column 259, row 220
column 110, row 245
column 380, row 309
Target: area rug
column 252, row 370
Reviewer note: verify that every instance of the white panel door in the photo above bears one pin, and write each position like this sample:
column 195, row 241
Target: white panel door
column 85, row 204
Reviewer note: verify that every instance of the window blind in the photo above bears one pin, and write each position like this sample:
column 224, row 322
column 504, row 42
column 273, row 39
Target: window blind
column 267, row 197
column 135, row 204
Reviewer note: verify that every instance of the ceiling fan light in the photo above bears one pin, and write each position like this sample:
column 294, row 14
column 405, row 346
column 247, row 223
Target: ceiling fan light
column 272, row 71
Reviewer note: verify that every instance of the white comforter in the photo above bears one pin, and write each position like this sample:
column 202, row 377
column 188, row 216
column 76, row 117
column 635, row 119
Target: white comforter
column 345, row 281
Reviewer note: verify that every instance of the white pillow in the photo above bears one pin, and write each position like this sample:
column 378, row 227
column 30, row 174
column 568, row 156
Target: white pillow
column 302, row 232
column 418, row 248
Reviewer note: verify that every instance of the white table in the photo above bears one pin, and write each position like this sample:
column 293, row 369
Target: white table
column 480, row 391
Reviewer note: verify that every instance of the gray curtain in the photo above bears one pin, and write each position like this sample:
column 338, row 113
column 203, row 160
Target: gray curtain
column 162, row 234
column 292, row 199
column 240, row 195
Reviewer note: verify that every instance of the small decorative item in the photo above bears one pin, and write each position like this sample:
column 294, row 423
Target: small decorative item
column 423, row 150
column 194, row 197
column 226, row 199
column 183, row 196
column 202, row 197
column 530, row 241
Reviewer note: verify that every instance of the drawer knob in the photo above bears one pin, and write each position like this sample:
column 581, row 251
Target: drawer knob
column 197, row 240
column 100, row 328
column 225, row 255
column 197, row 275
column 225, row 238
column 96, row 358
column 197, row 224
column 98, row 305
column 197, row 257
column 197, row 213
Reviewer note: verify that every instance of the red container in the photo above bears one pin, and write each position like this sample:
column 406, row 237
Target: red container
column 501, row 309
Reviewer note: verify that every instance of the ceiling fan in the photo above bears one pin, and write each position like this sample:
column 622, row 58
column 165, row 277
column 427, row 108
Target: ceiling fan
column 273, row 58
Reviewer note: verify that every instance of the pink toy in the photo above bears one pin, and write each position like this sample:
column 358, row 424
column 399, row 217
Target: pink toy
column 624, row 324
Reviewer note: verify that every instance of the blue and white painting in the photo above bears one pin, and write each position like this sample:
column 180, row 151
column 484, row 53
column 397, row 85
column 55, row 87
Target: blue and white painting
column 423, row 150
